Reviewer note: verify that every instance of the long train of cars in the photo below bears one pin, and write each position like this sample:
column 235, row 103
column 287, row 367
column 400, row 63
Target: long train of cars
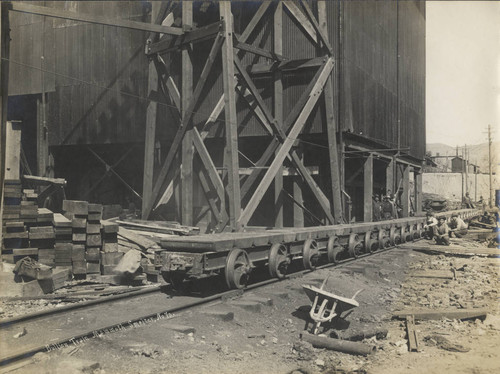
column 235, row 255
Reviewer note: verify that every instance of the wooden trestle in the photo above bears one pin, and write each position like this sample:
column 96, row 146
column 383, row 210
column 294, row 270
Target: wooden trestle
column 226, row 193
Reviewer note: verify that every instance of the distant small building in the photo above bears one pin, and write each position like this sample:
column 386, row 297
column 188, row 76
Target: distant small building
column 458, row 165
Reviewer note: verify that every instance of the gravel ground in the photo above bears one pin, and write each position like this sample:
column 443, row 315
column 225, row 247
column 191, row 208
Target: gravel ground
column 265, row 338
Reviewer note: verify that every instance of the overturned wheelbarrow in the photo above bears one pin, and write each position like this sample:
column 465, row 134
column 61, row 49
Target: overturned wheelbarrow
column 326, row 305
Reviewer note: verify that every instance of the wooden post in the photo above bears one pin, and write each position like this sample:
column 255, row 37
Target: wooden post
column 298, row 212
column 187, row 141
column 278, row 111
column 231, row 125
column 405, row 196
column 42, row 146
column 150, row 131
column 368, row 189
column 13, row 150
column 418, row 190
column 4, row 86
column 389, row 176
column 331, row 128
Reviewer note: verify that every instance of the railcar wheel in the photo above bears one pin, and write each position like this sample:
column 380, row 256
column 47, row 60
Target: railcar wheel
column 394, row 237
column 382, row 239
column 333, row 249
column 278, row 261
column 238, row 268
column 310, row 254
column 369, row 243
column 414, row 232
column 421, row 231
column 355, row 245
column 402, row 234
column 176, row 279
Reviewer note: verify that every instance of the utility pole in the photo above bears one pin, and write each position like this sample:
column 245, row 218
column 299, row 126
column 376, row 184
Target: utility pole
column 489, row 163
column 466, row 163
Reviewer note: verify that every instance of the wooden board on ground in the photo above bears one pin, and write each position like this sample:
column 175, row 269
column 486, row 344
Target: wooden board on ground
column 455, row 250
column 412, row 334
column 431, row 273
column 433, row 314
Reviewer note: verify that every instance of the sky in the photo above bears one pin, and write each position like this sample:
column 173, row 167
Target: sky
column 462, row 71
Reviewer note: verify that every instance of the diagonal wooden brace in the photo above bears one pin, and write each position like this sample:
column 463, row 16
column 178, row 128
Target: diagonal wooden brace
column 287, row 145
column 185, row 122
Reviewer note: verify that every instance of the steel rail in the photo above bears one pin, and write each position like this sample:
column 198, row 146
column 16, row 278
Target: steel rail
column 218, row 298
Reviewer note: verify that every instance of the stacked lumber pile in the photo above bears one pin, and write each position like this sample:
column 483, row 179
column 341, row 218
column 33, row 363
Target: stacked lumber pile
column 29, row 208
column 93, row 243
column 41, row 230
column 110, row 255
column 77, row 213
column 14, row 231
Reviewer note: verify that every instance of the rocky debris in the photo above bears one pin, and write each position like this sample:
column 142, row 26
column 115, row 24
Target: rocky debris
column 443, row 343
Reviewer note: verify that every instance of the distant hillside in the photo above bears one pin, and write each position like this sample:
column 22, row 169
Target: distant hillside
column 478, row 154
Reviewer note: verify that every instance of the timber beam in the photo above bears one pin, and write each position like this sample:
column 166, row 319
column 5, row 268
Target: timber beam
column 285, row 66
column 167, row 44
column 100, row 20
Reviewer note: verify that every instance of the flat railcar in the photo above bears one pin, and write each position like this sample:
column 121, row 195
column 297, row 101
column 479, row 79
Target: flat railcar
column 235, row 255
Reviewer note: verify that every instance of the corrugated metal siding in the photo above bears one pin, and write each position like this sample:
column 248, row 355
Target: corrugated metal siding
column 98, row 73
column 412, row 76
column 31, row 39
column 106, row 60
column 370, row 68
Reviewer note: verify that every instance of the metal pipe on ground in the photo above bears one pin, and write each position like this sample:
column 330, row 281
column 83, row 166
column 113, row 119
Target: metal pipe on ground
column 354, row 348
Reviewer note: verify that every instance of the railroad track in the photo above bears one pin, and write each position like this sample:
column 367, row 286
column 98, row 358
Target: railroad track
column 57, row 328
column 54, row 329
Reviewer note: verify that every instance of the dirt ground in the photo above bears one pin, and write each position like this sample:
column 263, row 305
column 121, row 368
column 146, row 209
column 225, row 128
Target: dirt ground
column 265, row 338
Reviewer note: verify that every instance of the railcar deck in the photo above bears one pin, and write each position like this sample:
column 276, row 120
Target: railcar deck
column 236, row 254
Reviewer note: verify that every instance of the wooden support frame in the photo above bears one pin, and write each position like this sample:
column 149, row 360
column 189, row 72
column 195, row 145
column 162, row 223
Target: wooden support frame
column 368, row 189
column 286, row 147
column 151, row 113
column 225, row 193
column 278, row 111
column 389, row 176
column 187, row 175
column 101, row 20
column 231, row 125
column 108, row 167
column 417, row 177
column 4, row 86
column 405, row 195
column 331, row 125
column 192, row 36
column 160, row 181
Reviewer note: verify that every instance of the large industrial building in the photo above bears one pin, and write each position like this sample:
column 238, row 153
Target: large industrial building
column 226, row 114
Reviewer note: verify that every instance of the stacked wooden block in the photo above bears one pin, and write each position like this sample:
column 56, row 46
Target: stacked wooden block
column 94, row 242
column 41, row 232
column 110, row 256
column 77, row 212
column 11, row 200
column 29, row 208
column 14, row 232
